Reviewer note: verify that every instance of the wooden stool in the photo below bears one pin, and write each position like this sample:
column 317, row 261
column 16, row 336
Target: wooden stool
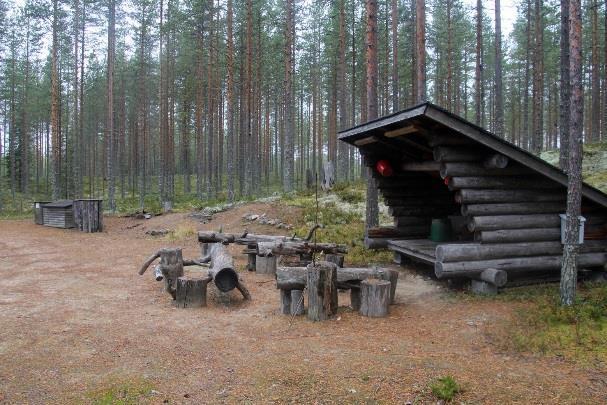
column 322, row 290
column 191, row 292
column 374, row 298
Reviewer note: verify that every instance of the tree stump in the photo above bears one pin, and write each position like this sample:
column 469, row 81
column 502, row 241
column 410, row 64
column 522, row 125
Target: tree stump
column 171, row 264
column 322, row 290
column 265, row 264
column 355, row 299
column 334, row 258
column 191, row 292
column 374, row 298
column 479, row 287
column 297, row 302
column 285, row 302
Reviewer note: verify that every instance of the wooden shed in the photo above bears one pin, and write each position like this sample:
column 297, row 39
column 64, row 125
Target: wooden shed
column 500, row 203
column 88, row 215
column 59, row 214
column 38, row 213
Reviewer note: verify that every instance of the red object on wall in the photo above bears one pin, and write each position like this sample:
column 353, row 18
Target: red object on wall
column 384, row 168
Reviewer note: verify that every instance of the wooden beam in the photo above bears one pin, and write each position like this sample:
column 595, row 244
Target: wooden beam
column 409, row 129
column 365, row 141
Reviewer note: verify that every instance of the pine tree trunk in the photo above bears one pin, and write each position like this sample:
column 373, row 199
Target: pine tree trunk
column 499, row 96
column 574, row 186
column 420, row 57
column 478, row 73
column 111, row 51
column 564, row 95
column 595, row 72
column 55, row 109
column 289, row 164
column 231, row 152
column 372, row 212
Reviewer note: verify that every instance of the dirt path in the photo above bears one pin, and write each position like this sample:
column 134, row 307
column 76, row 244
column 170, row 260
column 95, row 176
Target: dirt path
column 77, row 319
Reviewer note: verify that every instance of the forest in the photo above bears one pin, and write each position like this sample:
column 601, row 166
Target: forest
column 166, row 100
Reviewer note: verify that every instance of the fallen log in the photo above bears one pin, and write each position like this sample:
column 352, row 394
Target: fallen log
column 518, row 235
column 476, row 251
column 493, row 223
column 496, row 277
column 467, row 196
column 170, row 267
column 476, row 169
column 521, row 208
column 249, row 238
column 222, row 270
column 537, row 263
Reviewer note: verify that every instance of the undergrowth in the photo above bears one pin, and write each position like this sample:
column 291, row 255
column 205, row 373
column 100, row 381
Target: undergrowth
column 541, row 325
column 445, row 388
column 125, row 393
column 338, row 225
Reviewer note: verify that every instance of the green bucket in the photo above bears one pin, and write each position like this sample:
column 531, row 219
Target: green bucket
column 440, row 230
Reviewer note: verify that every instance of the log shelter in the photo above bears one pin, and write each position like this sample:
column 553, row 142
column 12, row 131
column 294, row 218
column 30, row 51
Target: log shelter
column 498, row 205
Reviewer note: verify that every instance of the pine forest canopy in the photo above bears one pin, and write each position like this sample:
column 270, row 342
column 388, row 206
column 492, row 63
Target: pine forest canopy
column 230, row 98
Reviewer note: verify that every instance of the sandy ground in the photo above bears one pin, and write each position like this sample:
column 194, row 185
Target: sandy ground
column 76, row 319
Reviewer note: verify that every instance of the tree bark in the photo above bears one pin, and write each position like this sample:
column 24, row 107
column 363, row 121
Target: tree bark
column 420, row 44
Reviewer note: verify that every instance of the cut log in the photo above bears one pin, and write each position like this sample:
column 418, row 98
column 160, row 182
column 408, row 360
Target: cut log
column 426, row 166
column 392, row 277
column 158, row 276
column 297, row 302
column 476, row 251
column 496, row 161
column 294, row 278
column 265, row 264
column 473, row 269
column 467, row 196
column 298, row 248
column 337, row 259
column 393, row 232
column 455, row 154
column 513, row 208
column 251, row 258
column 495, row 277
column 285, row 302
column 480, row 287
column 191, row 292
column 503, row 182
column 222, row 270
column 518, row 235
column 322, row 290
column 423, row 211
column 476, row 169
column 355, row 298
column 171, row 267
column 493, row 223
column 374, row 298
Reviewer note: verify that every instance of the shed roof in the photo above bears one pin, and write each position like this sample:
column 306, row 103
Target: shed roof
column 60, row 204
column 428, row 117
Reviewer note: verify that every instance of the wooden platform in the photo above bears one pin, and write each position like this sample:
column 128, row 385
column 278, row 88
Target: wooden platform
column 423, row 250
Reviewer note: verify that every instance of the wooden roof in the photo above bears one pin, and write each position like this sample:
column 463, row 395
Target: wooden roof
column 60, row 204
column 380, row 135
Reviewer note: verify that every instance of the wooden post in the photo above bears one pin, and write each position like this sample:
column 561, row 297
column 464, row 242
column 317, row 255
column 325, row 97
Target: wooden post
column 392, row 277
column 265, row 264
column 191, row 292
column 251, row 259
column 335, row 258
column 285, row 302
column 322, row 290
column 355, row 299
column 297, row 303
column 374, row 298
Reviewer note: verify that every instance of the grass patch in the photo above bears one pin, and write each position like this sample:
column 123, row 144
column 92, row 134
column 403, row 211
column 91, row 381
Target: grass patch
column 445, row 388
column 339, row 226
column 124, row 393
column 541, row 325
column 181, row 232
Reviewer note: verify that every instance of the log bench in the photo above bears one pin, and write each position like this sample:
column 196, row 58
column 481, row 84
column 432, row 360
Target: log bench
column 290, row 279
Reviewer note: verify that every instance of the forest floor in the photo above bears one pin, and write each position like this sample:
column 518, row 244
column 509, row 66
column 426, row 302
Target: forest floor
column 78, row 325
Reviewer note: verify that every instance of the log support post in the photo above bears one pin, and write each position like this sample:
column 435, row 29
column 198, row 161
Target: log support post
column 335, row 258
column 297, row 302
column 374, row 298
column 191, row 292
column 322, row 290
column 265, row 264
column 251, row 259
column 355, row 299
column 480, row 287
column 285, row 302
